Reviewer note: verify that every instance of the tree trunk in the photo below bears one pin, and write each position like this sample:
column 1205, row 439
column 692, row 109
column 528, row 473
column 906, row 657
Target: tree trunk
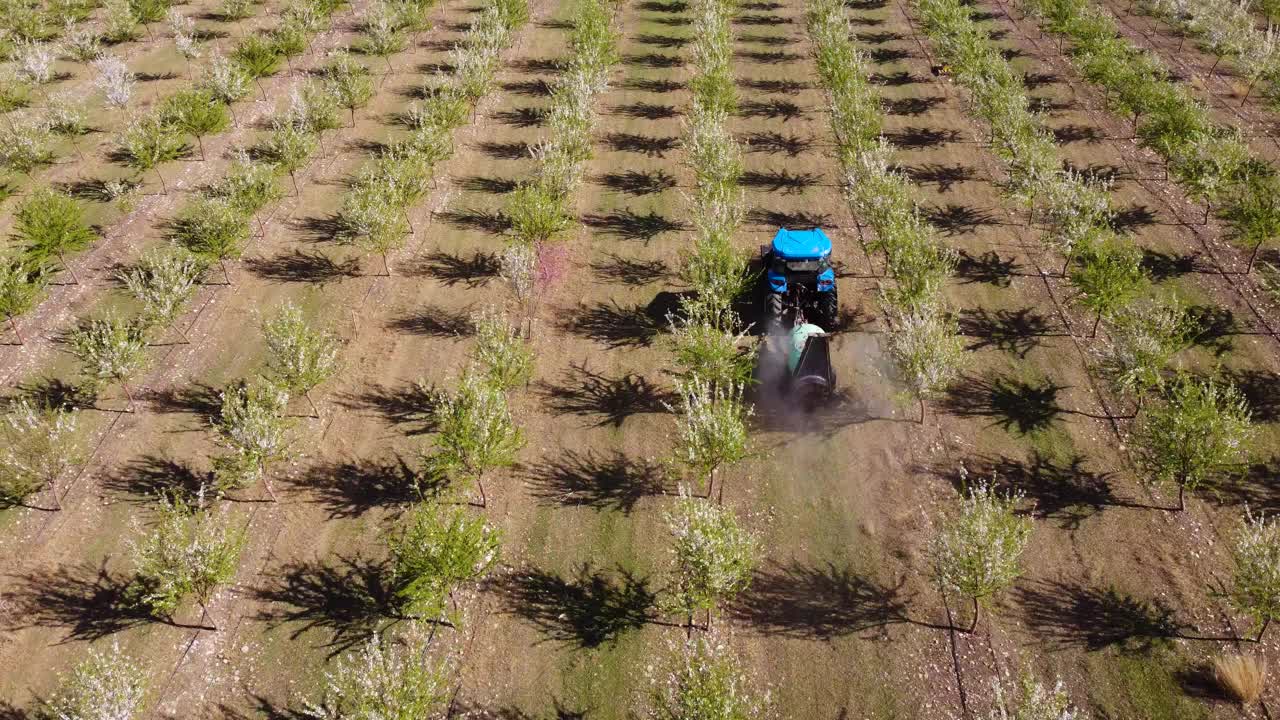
column 57, row 501
column 1253, row 256
column 386, row 266
column 484, row 498
column 128, row 394
column 353, row 115
column 1215, row 65
column 1248, row 92
column 1208, row 208
column 266, row 482
column 920, row 399
column 1262, row 630
column 164, row 189
column 226, row 277
column 1094, row 332
column 1182, row 497
column 1066, row 265
column 200, row 143
column 261, row 89
column 315, row 412
column 293, row 177
column 75, row 279
column 973, row 623
column 688, row 628
column 14, row 324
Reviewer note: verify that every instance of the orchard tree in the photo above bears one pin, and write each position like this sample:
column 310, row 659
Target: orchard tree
column 148, row 142
column 1254, row 213
column 537, row 213
column 106, row 686
column 184, row 36
column 502, row 354
column 197, row 113
column 386, row 679
column 1200, row 428
column 714, row 557
column 213, row 228
column 349, row 83
column 225, row 80
column 52, row 224
column 976, row 552
column 257, row 58
column 706, row 681
column 1108, row 276
column 1255, row 556
column 1142, row 342
column 188, row 553
column 926, row 348
column 298, row 356
column 111, row 349
column 164, row 281
column 25, row 145
column 114, row 79
column 248, row 186
column 439, row 550
column 708, row 342
column 374, row 220
column 713, row 430
column 288, row 148
column 254, row 431
column 1033, row 702
column 40, row 447
column 475, row 433
column 21, row 283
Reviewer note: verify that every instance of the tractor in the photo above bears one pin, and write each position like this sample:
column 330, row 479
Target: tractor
column 800, row 282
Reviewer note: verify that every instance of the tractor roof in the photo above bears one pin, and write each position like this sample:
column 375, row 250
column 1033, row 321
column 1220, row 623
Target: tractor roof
column 801, row 243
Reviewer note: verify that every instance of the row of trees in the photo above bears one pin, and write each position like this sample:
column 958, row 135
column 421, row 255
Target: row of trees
column 1210, row 162
column 923, row 338
column 375, row 211
column 1229, row 31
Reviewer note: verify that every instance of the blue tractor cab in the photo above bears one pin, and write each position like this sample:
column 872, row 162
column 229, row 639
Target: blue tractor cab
column 800, row 282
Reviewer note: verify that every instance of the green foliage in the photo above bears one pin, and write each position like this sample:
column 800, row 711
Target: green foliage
column 148, row 11
column 501, row 353
column 149, row 141
column 705, row 681
column 106, row 685
column 253, row 429
column 1108, row 275
column 926, row 348
column 1255, row 577
column 40, row 447
column 298, row 357
column 976, row 552
column 288, row 147
column 712, row 428
column 164, row 280
column 439, row 549
column 51, row 224
column 21, row 284
column 196, row 112
column 248, row 186
column 256, row 56
column 385, row 680
column 475, row 433
column 25, row 145
column 236, row 9
column 225, row 79
column 110, row 348
column 349, row 83
column 1142, row 340
column 714, row 555
column 121, row 22
column 537, row 213
column 213, row 228
column 709, row 342
column 1200, row 428
column 188, row 553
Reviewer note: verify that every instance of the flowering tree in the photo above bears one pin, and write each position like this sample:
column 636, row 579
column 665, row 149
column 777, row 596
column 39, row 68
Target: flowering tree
column 705, row 680
column 21, row 283
column 253, row 429
column 41, row 446
column 1200, row 428
column 439, row 549
column 110, row 349
column 51, row 224
column 107, row 685
column 500, row 351
column 926, row 349
column 714, row 557
column 713, row 429
column 476, row 433
column 976, row 552
column 1255, row 556
column 299, row 357
column 1142, row 342
column 386, row 679
column 188, row 553
column 114, row 79
column 148, row 142
column 1034, row 702
column 164, row 281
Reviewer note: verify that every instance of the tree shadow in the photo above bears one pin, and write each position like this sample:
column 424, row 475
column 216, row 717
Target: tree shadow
column 616, row 326
column 528, row 88
column 347, row 600
column 769, row 57
column 1261, row 389
column 944, row 176
column 774, row 143
column 299, row 266
column 493, row 222
column 488, row 185
column 884, row 56
column 629, row 225
column 784, row 181
column 638, row 182
column 633, row 273
column 586, row 610
column 645, row 111
column 88, row 603
column 1166, row 266
column 1255, row 487
column 653, row 61
column 661, row 86
column 919, row 138
column 647, row 145
column 1215, row 326
column 899, row 78
column 1066, row 492
column 1012, row 404
column 598, row 480
column 775, row 109
column 54, row 392
column 434, row 321
column 1070, row 615
column 195, row 398
column 665, row 42
column 911, row 106
column 505, row 150
column 768, row 40
column 473, row 271
column 987, row 268
column 1076, row 133
column 352, row 487
column 664, row 6
column 953, row 219
column 411, row 405
column 1127, row 220
column 757, row 20
column 1016, row 332
column 546, row 66
column 150, row 476
column 805, row 601
column 777, row 219
column 778, row 87
column 610, row 399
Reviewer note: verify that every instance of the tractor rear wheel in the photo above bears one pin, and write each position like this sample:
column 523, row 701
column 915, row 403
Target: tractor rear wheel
column 773, row 308
column 828, row 309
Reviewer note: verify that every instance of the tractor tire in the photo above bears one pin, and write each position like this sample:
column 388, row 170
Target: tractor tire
column 828, row 309
column 773, row 309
